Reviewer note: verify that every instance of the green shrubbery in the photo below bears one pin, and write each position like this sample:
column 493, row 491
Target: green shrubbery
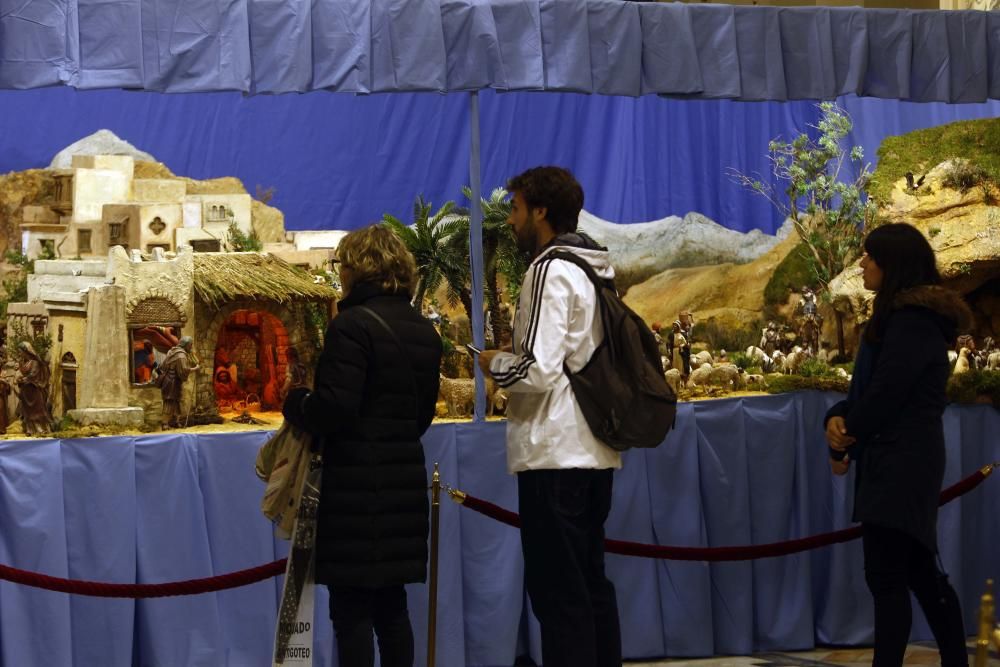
column 791, row 275
column 976, row 140
column 719, row 337
column 780, row 384
column 975, row 387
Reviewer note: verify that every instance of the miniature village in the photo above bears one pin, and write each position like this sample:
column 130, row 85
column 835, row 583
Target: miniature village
column 139, row 300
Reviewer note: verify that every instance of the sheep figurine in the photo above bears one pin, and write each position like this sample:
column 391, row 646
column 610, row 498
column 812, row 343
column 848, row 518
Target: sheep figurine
column 673, row 377
column 756, row 382
column 993, row 361
column 700, row 376
column 703, row 357
column 728, row 376
column 777, row 362
column 459, row 395
column 760, row 357
column 794, row 360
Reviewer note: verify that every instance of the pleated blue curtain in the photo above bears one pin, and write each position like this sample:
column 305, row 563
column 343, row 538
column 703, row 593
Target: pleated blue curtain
column 607, row 47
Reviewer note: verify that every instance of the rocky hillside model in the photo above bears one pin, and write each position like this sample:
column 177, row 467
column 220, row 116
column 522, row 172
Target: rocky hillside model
column 731, row 294
column 952, row 194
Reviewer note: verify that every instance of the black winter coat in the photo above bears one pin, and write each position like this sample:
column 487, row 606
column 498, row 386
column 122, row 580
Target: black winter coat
column 372, row 524
column 897, row 421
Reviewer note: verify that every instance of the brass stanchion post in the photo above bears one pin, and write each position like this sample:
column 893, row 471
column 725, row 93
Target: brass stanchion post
column 986, row 633
column 432, row 583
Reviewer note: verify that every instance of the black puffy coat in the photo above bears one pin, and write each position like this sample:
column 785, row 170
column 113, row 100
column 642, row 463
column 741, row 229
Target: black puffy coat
column 897, row 422
column 373, row 524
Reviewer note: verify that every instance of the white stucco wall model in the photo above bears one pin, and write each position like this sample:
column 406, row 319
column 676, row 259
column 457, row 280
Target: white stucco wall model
column 93, row 188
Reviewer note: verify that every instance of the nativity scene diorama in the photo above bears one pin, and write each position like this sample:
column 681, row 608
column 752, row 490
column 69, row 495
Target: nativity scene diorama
column 137, row 299
column 145, row 307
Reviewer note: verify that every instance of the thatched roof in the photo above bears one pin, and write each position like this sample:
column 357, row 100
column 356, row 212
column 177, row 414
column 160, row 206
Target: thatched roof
column 221, row 277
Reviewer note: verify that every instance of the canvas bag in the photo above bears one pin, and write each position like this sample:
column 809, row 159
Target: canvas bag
column 283, row 462
column 622, row 391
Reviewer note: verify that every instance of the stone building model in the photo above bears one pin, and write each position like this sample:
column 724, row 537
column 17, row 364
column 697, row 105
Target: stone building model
column 111, row 319
column 100, row 204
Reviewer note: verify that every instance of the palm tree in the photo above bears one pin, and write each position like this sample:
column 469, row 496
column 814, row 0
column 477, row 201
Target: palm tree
column 429, row 239
column 500, row 256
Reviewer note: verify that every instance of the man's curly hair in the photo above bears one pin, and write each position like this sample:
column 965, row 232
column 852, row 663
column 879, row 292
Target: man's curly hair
column 554, row 189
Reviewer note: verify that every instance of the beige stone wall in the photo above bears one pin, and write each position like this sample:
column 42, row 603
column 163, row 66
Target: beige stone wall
column 125, row 214
column 169, row 215
column 93, row 188
column 308, row 259
column 103, row 380
column 158, row 190
column 77, row 237
column 123, row 164
column 71, row 327
column 40, row 214
column 172, row 280
column 212, row 221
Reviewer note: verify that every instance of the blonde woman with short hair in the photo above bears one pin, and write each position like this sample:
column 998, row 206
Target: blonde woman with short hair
column 375, row 392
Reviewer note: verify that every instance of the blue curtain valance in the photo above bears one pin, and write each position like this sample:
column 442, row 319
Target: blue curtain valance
column 608, row 47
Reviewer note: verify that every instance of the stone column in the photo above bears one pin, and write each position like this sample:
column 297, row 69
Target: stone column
column 104, row 373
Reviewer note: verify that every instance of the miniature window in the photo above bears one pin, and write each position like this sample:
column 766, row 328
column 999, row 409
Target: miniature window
column 157, row 226
column 116, row 234
column 83, row 237
column 154, row 327
column 206, row 245
column 165, row 246
column 48, row 247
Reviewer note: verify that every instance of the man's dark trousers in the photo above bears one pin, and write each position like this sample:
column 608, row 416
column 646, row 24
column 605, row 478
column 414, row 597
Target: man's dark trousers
column 562, row 539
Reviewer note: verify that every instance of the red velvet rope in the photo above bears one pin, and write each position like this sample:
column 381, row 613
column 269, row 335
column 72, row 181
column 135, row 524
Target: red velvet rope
column 719, row 554
column 262, row 572
column 102, row 590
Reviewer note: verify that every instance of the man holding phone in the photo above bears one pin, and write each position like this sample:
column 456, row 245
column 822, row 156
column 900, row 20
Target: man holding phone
column 564, row 473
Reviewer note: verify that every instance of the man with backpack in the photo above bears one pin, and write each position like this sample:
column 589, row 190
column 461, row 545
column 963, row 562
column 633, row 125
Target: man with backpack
column 564, row 471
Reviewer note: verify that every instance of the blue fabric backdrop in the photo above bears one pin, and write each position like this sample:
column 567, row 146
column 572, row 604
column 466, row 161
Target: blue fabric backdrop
column 591, row 46
column 753, row 470
column 340, row 161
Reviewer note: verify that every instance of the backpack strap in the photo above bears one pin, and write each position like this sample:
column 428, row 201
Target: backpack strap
column 599, row 284
column 573, row 258
column 402, row 351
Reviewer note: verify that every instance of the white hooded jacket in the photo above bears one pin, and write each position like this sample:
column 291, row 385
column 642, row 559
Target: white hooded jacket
column 556, row 323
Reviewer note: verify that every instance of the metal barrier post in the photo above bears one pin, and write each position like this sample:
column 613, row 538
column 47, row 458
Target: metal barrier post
column 433, row 580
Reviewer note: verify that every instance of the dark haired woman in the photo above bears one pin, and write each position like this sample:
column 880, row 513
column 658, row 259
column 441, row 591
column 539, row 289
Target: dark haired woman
column 891, row 426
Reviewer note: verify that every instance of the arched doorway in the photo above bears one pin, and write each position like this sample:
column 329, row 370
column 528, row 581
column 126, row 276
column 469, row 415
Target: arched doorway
column 69, row 367
column 250, row 362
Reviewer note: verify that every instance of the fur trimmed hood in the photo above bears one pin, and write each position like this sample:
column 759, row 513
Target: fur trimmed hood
column 945, row 302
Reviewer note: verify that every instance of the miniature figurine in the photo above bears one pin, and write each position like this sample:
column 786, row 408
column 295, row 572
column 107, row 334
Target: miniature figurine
column 33, row 394
column 173, row 372
column 224, row 385
column 145, row 362
column 810, row 321
column 680, row 341
column 297, row 375
column 769, row 338
column 5, row 390
column 661, row 345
